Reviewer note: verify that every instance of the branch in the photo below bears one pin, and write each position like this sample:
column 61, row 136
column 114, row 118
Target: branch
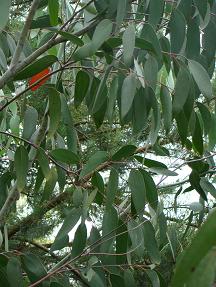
column 24, row 34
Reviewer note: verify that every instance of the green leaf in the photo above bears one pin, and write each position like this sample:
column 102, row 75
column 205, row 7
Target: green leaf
column 202, row 7
column 79, row 241
column 50, row 184
column 14, row 272
column 95, row 160
column 153, row 277
column 206, row 117
column 201, row 78
column 203, row 241
column 138, row 190
column 151, row 72
column 127, row 94
column 205, row 271
column 149, row 35
column 36, row 67
column 21, row 166
column 101, row 33
column 44, row 162
column 129, row 279
column 151, row 243
column 30, row 122
column 70, row 221
column 54, row 111
column 65, row 155
column 33, row 267
column 197, row 137
column 101, row 92
column 4, row 13
column 110, row 222
column 112, row 95
column 124, row 152
column 155, row 124
column 3, row 60
column 112, row 187
column 121, row 12
column 166, row 104
column 177, row 31
column 182, row 89
column 67, row 119
column 194, row 179
column 53, row 6
column 155, row 12
column 207, row 186
column 151, row 190
column 135, row 230
column 81, row 87
column 128, row 41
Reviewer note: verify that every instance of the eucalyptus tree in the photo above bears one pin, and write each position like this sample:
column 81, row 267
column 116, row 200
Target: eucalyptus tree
column 89, row 90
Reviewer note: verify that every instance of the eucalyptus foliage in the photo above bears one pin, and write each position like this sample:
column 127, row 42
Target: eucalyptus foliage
column 121, row 80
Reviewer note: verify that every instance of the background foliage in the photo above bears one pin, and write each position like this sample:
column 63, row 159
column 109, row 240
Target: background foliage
column 107, row 124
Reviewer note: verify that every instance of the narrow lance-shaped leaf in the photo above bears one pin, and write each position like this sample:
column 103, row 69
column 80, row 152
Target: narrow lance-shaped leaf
column 151, row 243
column 201, row 78
column 54, row 111
column 138, row 192
column 30, row 121
column 166, row 104
column 4, row 12
column 79, row 241
column 53, row 6
column 112, row 187
column 21, row 166
column 81, row 87
column 128, row 40
column 177, row 30
column 14, row 272
column 127, row 94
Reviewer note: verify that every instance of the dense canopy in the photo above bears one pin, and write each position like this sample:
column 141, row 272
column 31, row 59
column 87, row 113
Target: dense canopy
column 107, row 143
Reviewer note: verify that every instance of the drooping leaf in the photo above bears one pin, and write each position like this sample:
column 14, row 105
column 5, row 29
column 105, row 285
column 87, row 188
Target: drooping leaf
column 150, row 72
column 155, row 12
column 208, row 187
column 53, row 6
column 201, row 78
column 81, row 87
column 177, row 31
column 182, row 89
column 151, row 190
column 112, row 95
column 33, row 267
column 79, row 241
column 14, row 272
column 166, row 104
column 128, row 41
column 150, row 242
column 44, row 162
column 4, row 13
column 30, row 121
column 138, row 190
column 112, row 187
column 54, row 111
column 127, row 94
column 21, row 166
column 121, row 12
column 70, row 221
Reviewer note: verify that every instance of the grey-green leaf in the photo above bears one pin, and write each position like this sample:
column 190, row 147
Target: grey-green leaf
column 128, row 41
column 21, row 166
column 4, row 12
column 138, row 190
column 127, row 94
column 201, row 78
